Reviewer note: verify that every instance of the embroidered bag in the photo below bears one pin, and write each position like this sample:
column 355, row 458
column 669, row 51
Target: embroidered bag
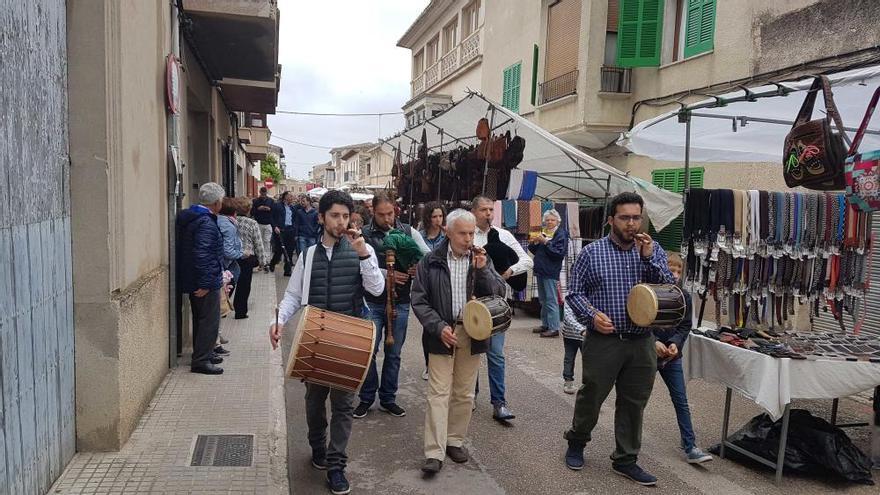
column 863, row 169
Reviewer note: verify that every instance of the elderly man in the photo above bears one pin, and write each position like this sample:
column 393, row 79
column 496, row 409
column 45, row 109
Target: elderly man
column 200, row 273
column 483, row 209
column 440, row 289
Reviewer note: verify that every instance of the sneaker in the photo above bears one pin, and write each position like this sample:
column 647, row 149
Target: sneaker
column 337, row 482
column 539, row 329
column 425, row 375
column 319, row 462
column 697, row 456
column 574, row 456
column 550, row 333
column 393, row 409
column 502, row 413
column 220, row 351
column 635, row 473
column 361, row 410
column 432, row 466
column 569, row 387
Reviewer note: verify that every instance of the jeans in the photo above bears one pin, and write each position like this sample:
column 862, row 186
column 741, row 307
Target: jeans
column 304, row 242
column 243, row 287
column 495, row 360
column 391, row 363
column 572, row 347
column 673, row 376
column 549, row 298
column 206, row 326
column 341, row 409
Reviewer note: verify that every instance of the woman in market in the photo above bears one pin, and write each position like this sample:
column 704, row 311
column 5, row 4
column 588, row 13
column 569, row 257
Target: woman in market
column 253, row 254
column 549, row 247
column 433, row 227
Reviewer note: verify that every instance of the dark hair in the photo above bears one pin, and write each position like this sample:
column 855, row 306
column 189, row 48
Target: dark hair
column 381, row 197
column 243, row 205
column 428, row 212
column 284, row 195
column 230, row 207
column 480, row 198
column 335, row 197
column 625, row 198
column 263, row 190
column 363, row 212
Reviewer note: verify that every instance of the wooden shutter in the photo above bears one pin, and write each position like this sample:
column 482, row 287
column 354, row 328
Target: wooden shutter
column 699, row 33
column 640, row 29
column 511, row 91
column 672, row 179
column 613, row 10
column 563, row 38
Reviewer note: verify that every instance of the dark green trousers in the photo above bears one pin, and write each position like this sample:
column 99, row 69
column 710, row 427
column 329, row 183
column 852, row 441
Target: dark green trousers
column 630, row 367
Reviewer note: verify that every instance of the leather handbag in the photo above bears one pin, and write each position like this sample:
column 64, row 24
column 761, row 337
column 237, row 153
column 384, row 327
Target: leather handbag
column 483, row 129
column 862, row 170
column 814, row 154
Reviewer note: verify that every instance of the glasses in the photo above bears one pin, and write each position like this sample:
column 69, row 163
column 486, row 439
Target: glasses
column 629, row 218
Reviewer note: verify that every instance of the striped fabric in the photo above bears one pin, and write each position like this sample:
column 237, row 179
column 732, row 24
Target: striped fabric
column 458, row 269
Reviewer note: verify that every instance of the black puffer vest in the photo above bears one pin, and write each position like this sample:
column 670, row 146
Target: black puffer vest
column 336, row 284
column 376, row 238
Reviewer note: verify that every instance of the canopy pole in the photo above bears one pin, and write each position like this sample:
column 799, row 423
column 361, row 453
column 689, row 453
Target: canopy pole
column 686, row 117
column 488, row 148
column 607, row 194
column 439, row 169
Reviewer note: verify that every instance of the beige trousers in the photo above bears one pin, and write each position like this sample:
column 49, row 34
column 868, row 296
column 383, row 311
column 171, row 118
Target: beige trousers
column 451, row 381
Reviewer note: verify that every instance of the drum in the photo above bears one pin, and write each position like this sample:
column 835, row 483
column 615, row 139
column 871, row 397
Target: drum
column 331, row 349
column 485, row 317
column 656, row 305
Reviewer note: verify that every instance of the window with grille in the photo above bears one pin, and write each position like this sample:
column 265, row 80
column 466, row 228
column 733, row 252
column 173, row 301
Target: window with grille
column 672, row 179
column 510, row 92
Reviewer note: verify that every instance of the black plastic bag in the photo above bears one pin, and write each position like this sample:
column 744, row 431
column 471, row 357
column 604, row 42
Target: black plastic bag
column 814, row 446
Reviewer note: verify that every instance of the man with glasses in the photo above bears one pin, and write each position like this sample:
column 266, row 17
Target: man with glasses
column 616, row 352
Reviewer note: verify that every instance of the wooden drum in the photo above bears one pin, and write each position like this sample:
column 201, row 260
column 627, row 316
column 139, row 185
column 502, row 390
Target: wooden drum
column 331, row 349
column 656, row 305
column 486, row 316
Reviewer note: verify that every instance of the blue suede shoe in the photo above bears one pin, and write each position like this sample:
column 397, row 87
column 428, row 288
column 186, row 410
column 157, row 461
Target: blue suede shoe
column 337, row 482
column 574, row 456
column 635, row 473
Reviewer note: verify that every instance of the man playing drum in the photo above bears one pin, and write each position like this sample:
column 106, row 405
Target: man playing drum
column 355, row 270
column 616, row 353
column 445, row 280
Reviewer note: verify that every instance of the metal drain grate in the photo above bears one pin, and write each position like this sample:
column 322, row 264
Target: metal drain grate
column 223, row 450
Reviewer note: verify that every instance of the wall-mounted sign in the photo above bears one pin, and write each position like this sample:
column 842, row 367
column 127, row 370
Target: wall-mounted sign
column 172, row 84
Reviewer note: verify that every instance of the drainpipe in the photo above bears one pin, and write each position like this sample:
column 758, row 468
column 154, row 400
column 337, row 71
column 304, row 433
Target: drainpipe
column 174, row 200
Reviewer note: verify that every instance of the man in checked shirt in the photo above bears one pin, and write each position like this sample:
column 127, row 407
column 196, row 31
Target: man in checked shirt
column 616, row 353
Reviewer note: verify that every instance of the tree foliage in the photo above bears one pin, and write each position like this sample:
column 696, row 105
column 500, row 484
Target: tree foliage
column 269, row 168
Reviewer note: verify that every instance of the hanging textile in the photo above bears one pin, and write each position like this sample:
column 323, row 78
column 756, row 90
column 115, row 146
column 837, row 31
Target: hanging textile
column 522, row 217
column 509, row 213
column 534, row 215
column 529, row 185
column 496, row 214
column 573, row 216
column 562, row 209
column 515, row 185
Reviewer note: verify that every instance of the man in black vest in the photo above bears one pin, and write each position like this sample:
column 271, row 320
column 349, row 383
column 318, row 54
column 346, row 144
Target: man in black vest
column 261, row 211
column 383, row 221
column 355, row 271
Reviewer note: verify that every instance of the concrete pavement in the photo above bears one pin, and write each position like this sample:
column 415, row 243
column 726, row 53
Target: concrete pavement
column 527, row 457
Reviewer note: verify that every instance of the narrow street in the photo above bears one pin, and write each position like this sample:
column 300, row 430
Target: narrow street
column 385, row 452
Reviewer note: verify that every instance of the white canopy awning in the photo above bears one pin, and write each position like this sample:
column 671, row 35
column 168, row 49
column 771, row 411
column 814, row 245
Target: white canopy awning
column 753, row 131
column 564, row 172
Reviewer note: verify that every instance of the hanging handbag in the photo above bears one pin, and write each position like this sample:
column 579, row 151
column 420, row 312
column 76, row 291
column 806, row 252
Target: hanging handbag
column 862, row 169
column 814, row 154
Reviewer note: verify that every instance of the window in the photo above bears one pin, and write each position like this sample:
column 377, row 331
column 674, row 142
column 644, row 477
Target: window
column 255, row 120
column 510, row 92
column 450, row 36
column 418, row 64
column 470, row 19
column 672, row 179
column 699, row 29
column 563, row 38
column 639, row 31
column 431, row 51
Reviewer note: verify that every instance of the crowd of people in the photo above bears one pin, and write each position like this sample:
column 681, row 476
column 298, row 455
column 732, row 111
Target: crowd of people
column 462, row 256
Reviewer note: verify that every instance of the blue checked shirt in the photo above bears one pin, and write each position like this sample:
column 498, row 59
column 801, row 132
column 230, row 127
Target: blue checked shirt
column 602, row 277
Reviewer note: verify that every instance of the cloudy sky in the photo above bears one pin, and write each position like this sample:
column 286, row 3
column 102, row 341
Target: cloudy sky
column 340, row 56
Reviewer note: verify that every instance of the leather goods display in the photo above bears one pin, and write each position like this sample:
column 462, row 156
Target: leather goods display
column 486, row 316
column 814, row 153
column 656, row 305
column 331, row 349
column 863, row 169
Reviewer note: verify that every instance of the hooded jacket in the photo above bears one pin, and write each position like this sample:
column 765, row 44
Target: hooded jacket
column 199, row 250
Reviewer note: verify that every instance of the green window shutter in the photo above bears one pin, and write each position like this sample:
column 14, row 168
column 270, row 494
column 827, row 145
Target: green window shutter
column 699, row 32
column 639, row 32
column 510, row 94
column 672, row 179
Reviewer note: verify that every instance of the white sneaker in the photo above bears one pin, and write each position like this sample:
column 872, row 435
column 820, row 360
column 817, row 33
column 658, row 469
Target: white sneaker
column 569, row 387
column 425, row 374
column 697, row 456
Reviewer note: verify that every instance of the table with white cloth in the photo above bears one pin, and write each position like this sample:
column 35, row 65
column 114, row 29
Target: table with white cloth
column 773, row 382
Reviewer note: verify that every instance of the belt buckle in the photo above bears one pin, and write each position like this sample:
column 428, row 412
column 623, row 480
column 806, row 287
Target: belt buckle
column 621, row 336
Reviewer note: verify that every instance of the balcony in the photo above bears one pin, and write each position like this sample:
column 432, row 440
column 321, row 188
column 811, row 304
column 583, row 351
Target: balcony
column 558, row 87
column 616, row 80
column 257, row 145
column 467, row 51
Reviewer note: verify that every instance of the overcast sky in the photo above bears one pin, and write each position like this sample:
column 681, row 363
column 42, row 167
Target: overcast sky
column 340, row 56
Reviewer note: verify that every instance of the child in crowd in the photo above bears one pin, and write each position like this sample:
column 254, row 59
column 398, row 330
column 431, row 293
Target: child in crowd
column 669, row 345
column 572, row 339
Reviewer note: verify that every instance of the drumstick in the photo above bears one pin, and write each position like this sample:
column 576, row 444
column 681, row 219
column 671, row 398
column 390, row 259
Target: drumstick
column 276, row 321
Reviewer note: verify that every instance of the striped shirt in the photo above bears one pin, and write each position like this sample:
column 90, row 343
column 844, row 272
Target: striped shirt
column 458, row 270
column 252, row 240
column 602, row 277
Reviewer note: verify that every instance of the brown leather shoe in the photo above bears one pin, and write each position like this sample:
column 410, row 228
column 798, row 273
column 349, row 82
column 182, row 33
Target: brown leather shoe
column 432, row 466
column 457, row 454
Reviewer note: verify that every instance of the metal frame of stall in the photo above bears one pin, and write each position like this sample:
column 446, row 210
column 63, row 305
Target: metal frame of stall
column 685, row 115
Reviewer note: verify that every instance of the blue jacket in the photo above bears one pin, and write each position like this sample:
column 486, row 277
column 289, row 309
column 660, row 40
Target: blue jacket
column 306, row 223
column 548, row 257
column 199, row 250
column 278, row 215
column 231, row 240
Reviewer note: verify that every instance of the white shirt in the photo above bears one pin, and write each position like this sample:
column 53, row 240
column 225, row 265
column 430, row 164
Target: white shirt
column 296, row 295
column 458, row 271
column 525, row 262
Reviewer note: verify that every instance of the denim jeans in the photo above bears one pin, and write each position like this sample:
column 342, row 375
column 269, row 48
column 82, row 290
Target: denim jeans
column 673, row 376
column 495, row 360
column 549, row 303
column 303, row 242
column 341, row 408
column 572, row 347
column 391, row 363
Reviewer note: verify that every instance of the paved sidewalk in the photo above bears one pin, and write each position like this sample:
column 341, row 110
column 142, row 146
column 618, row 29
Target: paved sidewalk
column 246, row 400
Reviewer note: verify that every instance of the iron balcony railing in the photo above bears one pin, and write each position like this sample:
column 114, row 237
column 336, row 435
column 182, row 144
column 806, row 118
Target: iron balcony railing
column 558, row 87
column 616, row 79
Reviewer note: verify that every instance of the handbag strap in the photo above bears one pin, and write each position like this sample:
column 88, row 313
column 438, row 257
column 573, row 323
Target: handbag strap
column 831, row 107
column 860, row 133
column 806, row 111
